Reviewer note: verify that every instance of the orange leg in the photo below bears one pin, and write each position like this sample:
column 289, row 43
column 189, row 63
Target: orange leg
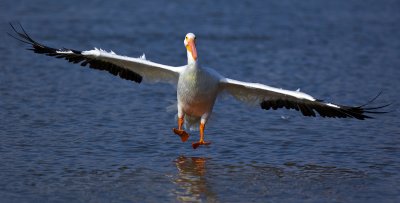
column 183, row 134
column 201, row 141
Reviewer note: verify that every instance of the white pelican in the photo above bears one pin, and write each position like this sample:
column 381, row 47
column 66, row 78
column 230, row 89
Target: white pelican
column 197, row 86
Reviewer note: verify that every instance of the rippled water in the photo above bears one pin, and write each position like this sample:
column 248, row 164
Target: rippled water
column 80, row 135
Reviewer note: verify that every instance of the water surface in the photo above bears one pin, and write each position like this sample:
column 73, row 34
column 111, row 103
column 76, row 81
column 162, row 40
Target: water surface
column 72, row 134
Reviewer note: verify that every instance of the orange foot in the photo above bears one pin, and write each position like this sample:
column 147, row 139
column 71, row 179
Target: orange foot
column 183, row 134
column 197, row 144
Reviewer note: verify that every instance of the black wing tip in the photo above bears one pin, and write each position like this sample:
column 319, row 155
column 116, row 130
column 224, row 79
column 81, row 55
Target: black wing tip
column 22, row 36
column 362, row 112
column 76, row 57
column 326, row 109
column 372, row 100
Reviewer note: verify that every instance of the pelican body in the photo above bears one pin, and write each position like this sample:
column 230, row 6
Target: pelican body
column 198, row 87
column 197, row 91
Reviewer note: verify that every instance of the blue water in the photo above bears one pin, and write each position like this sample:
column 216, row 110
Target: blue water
column 72, row 134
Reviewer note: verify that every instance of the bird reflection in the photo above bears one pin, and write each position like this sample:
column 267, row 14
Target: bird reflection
column 191, row 180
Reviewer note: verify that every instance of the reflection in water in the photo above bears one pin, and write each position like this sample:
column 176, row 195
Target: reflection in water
column 191, row 180
column 198, row 180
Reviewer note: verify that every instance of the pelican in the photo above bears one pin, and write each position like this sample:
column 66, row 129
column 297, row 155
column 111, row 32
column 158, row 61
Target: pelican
column 197, row 86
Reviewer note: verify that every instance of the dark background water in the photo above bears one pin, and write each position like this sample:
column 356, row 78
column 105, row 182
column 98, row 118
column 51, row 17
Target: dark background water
column 75, row 134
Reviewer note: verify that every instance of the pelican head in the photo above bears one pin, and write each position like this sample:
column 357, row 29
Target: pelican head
column 190, row 44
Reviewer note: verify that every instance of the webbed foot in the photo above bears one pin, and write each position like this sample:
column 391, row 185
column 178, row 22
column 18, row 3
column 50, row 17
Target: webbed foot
column 183, row 134
column 197, row 144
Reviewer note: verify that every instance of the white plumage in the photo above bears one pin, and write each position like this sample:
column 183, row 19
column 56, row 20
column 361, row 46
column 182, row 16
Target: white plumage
column 198, row 87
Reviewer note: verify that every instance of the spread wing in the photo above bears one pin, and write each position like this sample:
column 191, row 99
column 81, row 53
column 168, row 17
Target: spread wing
column 129, row 68
column 273, row 98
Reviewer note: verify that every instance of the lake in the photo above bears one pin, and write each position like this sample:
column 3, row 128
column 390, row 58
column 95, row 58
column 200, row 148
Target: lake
column 72, row 134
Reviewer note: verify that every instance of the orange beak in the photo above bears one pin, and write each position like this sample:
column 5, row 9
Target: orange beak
column 191, row 47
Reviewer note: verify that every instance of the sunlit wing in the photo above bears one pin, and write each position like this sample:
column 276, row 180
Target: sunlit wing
column 273, row 98
column 135, row 69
